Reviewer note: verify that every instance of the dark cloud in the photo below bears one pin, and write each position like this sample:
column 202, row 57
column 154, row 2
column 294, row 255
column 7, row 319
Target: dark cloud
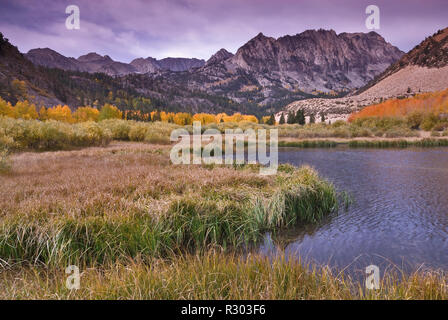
column 125, row 29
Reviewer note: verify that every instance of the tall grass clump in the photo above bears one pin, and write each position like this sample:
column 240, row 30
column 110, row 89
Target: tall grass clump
column 217, row 275
column 88, row 241
column 192, row 222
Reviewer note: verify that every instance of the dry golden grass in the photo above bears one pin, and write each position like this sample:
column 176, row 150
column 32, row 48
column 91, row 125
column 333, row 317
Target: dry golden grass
column 98, row 208
column 215, row 275
column 124, row 178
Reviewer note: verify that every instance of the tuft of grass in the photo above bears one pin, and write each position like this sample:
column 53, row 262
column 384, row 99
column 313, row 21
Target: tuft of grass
column 308, row 144
column 379, row 144
column 216, row 275
column 427, row 142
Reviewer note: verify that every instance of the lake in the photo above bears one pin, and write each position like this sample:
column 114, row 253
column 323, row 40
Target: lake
column 399, row 216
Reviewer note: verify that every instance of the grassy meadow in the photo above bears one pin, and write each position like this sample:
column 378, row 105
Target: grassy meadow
column 105, row 196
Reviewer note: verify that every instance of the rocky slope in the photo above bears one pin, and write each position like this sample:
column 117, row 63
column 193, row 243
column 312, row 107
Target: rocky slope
column 271, row 73
column 20, row 79
column 321, row 60
column 423, row 69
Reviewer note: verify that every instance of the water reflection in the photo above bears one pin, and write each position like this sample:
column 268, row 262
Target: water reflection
column 399, row 216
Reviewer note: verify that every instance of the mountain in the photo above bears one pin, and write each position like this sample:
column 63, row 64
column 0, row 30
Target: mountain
column 423, row 69
column 152, row 65
column 50, row 58
column 317, row 60
column 20, row 79
column 93, row 62
column 145, row 65
column 271, row 72
column 180, row 64
column 264, row 75
column 219, row 56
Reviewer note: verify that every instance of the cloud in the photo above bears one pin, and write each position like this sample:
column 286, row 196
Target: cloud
column 126, row 29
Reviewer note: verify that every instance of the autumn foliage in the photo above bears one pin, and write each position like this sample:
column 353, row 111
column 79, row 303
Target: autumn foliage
column 26, row 110
column 426, row 103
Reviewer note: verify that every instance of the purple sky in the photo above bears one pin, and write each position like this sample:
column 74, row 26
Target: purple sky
column 126, row 29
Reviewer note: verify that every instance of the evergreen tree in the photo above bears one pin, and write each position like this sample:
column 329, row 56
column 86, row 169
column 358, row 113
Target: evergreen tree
column 322, row 117
column 291, row 118
column 271, row 120
column 282, row 119
column 312, row 118
column 300, row 116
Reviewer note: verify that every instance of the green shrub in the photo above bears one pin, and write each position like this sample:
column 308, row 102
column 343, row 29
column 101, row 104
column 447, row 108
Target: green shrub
column 157, row 138
column 414, row 120
column 90, row 133
column 109, row 112
column 429, row 121
column 379, row 122
column 400, row 132
column 138, row 131
column 338, row 123
column 18, row 134
column 119, row 128
column 5, row 162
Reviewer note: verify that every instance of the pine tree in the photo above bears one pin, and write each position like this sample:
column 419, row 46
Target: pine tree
column 291, row 118
column 312, row 118
column 300, row 116
column 271, row 120
column 282, row 119
column 322, row 117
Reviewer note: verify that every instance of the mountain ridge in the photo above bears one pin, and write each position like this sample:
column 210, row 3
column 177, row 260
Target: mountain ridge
column 423, row 69
column 264, row 74
column 93, row 62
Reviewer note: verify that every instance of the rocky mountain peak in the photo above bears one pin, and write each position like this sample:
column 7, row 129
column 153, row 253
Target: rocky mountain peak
column 318, row 59
column 93, row 57
column 180, row 64
column 219, row 56
column 50, row 58
column 145, row 65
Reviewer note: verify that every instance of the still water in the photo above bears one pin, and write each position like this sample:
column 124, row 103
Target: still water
column 399, row 217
